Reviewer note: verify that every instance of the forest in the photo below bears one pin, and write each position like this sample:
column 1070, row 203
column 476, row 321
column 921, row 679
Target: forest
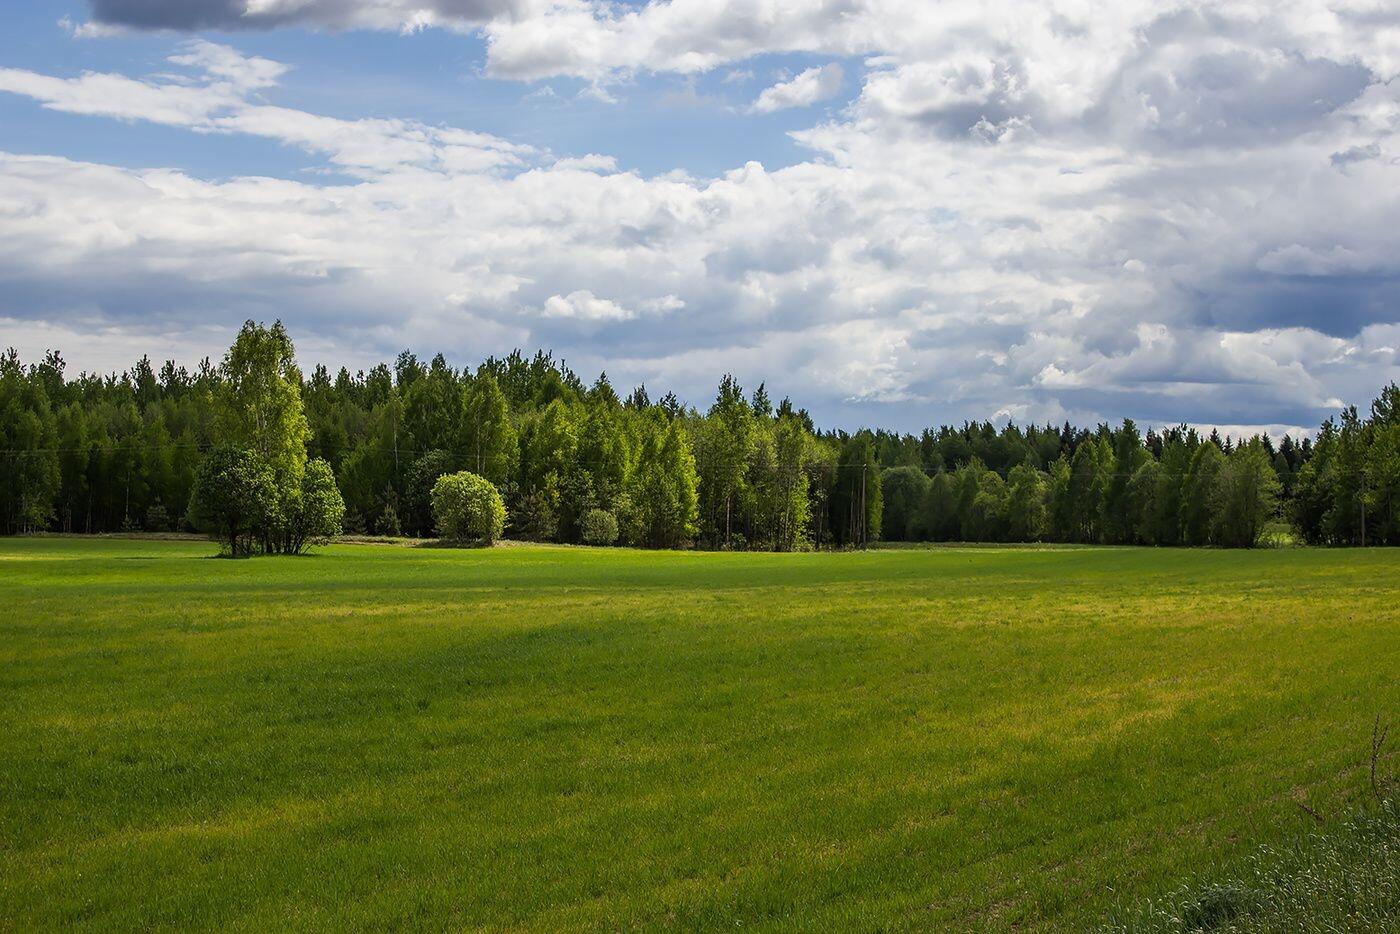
column 576, row 462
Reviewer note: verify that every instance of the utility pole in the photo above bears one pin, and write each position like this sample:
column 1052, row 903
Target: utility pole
column 1363, row 509
column 863, row 506
column 728, row 536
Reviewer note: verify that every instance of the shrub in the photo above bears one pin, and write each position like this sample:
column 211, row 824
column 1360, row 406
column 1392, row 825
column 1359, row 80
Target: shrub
column 598, row 527
column 232, row 498
column 468, row 508
column 388, row 523
column 318, row 513
column 157, row 518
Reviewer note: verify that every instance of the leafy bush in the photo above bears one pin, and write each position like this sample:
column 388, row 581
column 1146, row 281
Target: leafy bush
column 598, row 527
column 318, row 513
column 468, row 508
column 233, row 497
column 236, row 499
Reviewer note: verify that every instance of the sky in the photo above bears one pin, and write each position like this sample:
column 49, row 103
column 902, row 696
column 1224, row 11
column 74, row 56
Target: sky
column 898, row 212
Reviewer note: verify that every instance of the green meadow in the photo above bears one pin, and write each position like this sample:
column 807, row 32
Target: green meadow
column 549, row 738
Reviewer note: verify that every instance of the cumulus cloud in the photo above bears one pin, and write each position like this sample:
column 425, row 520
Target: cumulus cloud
column 584, row 305
column 809, row 87
column 219, row 99
column 1180, row 210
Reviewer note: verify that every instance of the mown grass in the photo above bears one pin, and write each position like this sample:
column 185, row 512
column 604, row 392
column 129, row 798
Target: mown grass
column 553, row 738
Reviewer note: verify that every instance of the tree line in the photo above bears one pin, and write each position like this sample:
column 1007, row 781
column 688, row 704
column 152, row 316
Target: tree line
column 319, row 453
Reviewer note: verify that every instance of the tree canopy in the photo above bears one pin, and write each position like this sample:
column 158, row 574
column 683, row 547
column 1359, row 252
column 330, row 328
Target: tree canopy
column 363, row 451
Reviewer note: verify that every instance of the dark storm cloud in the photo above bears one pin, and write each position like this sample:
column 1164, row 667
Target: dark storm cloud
column 1210, row 401
column 170, row 14
column 1338, row 306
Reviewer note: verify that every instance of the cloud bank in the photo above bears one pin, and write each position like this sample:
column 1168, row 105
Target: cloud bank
column 1039, row 211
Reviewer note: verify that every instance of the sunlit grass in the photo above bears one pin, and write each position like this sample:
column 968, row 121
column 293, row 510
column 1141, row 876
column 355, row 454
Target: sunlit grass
column 557, row 738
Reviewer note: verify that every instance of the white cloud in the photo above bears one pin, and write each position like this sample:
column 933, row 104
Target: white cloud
column 219, row 62
column 1053, row 210
column 809, row 87
column 220, row 100
column 586, row 306
column 88, row 30
column 593, row 162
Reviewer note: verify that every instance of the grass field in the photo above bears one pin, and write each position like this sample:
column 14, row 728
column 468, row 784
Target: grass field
column 553, row 738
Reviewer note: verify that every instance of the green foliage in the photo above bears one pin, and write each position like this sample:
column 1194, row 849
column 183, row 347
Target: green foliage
column 318, row 514
column 418, row 490
column 1347, row 492
column 780, row 507
column 29, row 468
column 487, row 441
column 468, row 508
column 1084, row 494
column 259, row 401
column 1122, row 513
column 102, row 454
column 904, row 490
column 1199, row 498
column 257, row 492
column 725, row 443
column 1143, row 503
column 1059, row 506
column 984, row 516
column 1246, row 496
column 1026, row 514
column 599, row 527
column 234, row 498
column 939, row 520
column 157, row 518
column 1382, row 489
column 661, row 505
column 857, row 501
column 388, row 523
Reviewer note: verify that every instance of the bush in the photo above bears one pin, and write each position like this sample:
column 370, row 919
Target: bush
column 157, row 518
column 318, row 514
column 598, row 527
column 388, row 523
column 468, row 508
column 232, row 498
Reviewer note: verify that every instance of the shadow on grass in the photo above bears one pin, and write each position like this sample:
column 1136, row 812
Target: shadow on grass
column 468, row 544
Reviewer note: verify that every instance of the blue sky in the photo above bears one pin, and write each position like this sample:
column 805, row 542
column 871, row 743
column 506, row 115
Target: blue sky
column 898, row 212
column 692, row 122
